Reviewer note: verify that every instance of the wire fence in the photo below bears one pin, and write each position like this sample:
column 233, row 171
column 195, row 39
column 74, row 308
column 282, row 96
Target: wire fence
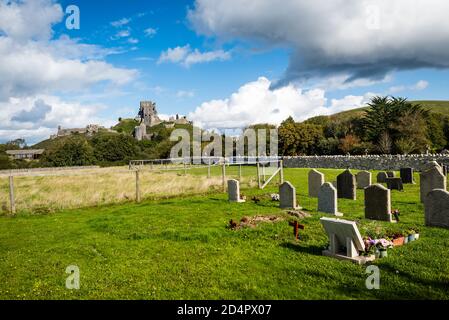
column 74, row 187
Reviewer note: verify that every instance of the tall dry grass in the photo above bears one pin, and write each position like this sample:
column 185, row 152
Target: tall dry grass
column 84, row 188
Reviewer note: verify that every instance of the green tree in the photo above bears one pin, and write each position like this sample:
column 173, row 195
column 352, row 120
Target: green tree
column 390, row 121
column 436, row 130
column 75, row 151
column 299, row 138
column 114, row 147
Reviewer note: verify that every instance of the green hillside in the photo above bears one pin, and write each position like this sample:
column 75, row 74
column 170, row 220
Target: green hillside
column 126, row 126
column 435, row 106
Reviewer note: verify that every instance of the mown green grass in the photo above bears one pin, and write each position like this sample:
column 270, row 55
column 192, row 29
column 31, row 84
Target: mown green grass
column 181, row 248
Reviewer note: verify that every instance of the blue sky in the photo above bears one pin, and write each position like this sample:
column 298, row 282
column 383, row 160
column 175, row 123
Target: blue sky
column 225, row 64
column 163, row 83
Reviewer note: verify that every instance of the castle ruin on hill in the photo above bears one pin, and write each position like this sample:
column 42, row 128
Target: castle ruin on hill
column 148, row 117
column 89, row 130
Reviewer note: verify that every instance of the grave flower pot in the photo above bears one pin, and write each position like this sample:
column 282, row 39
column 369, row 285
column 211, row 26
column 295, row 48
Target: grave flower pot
column 405, row 239
column 398, row 241
column 377, row 254
column 416, row 236
column 411, row 237
column 383, row 254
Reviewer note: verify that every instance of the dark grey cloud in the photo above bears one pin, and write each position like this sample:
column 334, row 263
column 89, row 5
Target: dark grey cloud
column 351, row 39
column 37, row 113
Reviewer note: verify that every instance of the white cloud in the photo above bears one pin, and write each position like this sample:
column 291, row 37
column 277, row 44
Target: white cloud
column 352, row 38
column 420, row 85
column 255, row 102
column 120, row 23
column 19, row 117
column 33, row 64
column 31, row 19
column 150, row 32
column 185, row 94
column 350, row 102
column 35, row 69
column 186, row 57
column 121, row 34
column 133, row 40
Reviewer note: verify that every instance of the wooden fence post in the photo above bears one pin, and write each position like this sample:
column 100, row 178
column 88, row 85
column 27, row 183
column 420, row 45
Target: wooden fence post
column 137, row 186
column 281, row 172
column 208, row 170
column 11, row 195
column 223, row 175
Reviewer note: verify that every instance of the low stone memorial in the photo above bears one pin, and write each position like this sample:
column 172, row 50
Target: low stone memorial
column 395, row 184
column 234, row 191
column 345, row 240
column 287, row 196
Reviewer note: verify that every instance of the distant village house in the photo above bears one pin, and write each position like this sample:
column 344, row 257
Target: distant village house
column 28, row 154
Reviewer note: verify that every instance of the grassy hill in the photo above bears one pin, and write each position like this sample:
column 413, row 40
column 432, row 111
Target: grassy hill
column 435, row 106
column 126, row 126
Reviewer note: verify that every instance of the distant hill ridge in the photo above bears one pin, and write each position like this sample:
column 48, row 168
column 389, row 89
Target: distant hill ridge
column 436, row 106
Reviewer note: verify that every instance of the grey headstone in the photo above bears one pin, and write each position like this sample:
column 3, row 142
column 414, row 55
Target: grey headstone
column 390, row 174
column 316, row 180
column 430, row 165
column 234, row 191
column 436, row 208
column 395, row 184
column 382, row 177
column 346, row 185
column 407, row 175
column 429, row 180
column 378, row 203
column 287, row 196
column 327, row 199
column 363, row 179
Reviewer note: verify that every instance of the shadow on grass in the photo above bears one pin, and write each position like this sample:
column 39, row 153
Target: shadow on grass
column 315, row 250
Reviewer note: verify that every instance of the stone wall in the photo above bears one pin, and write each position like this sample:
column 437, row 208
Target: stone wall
column 371, row 162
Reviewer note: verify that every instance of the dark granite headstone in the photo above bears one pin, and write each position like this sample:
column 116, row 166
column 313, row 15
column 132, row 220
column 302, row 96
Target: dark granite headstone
column 407, row 175
column 378, row 203
column 395, row 184
column 381, row 177
column 346, row 185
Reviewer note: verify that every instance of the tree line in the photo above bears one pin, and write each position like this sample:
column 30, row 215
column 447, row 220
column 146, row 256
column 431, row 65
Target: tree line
column 389, row 125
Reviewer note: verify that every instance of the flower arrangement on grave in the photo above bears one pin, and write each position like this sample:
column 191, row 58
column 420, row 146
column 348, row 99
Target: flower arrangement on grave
column 412, row 234
column 274, row 197
column 397, row 238
column 396, row 213
column 377, row 246
column 369, row 246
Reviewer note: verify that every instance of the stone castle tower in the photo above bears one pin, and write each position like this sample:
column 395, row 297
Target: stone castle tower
column 148, row 113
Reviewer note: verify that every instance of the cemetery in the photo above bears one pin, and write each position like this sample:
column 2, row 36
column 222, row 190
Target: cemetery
column 212, row 244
